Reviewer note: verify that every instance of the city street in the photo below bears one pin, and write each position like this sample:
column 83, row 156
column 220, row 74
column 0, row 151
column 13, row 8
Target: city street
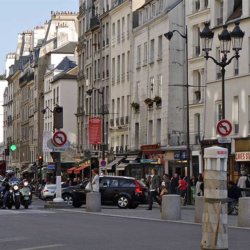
column 39, row 228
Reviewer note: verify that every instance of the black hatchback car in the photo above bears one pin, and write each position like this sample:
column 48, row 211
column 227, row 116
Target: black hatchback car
column 125, row 192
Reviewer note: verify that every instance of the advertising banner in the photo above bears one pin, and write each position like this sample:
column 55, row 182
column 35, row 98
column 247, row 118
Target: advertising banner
column 95, row 130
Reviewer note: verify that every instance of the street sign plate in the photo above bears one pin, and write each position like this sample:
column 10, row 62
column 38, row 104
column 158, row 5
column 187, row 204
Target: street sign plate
column 224, row 140
column 59, row 138
column 224, row 127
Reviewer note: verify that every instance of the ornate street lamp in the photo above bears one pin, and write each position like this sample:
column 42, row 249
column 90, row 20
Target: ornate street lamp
column 226, row 37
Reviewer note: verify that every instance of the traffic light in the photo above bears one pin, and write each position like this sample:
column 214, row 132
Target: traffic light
column 40, row 160
column 58, row 117
column 13, row 147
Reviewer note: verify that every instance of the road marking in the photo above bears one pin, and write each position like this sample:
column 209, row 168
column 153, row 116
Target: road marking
column 28, row 211
column 42, row 247
column 147, row 219
column 13, row 239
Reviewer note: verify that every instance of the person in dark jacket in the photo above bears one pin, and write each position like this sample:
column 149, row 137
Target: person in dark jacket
column 174, row 184
column 154, row 189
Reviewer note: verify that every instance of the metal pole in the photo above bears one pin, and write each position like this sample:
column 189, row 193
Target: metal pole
column 103, row 127
column 58, row 178
column 188, row 135
column 223, row 91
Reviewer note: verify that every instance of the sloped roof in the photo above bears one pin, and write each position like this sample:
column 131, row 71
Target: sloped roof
column 66, row 64
column 236, row 13
column 66, row 49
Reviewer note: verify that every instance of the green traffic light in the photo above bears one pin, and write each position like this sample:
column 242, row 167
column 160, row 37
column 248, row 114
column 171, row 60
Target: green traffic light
column 13, row 147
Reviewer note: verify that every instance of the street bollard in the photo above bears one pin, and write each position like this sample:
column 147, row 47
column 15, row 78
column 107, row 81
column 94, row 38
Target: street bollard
column 215, row 219
column 244, row 212
column 93, row 202
column 171, row 207
column 199, row 205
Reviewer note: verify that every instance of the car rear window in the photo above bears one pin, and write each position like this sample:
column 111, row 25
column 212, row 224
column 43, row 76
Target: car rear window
column 127, row 183
column 51, row 186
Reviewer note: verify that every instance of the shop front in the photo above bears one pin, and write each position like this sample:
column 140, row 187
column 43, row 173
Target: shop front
column 242, row 158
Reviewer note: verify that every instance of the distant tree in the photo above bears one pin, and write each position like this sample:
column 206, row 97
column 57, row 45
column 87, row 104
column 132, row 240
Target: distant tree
column 2, row 77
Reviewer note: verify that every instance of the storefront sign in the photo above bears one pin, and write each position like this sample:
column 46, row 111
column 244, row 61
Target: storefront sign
column 151, row 161
column 180, row 155
column 51, row 167
column 95, row 129
column 242, row 156
column 150, row 147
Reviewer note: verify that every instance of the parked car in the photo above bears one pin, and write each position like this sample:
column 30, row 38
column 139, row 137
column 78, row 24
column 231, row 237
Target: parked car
column 125, row 192
column 48, row 191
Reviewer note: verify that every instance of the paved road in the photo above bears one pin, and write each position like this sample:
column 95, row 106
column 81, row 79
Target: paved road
column 74, row 229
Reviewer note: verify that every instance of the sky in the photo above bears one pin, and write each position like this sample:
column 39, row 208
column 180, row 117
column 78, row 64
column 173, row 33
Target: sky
column 21, row 15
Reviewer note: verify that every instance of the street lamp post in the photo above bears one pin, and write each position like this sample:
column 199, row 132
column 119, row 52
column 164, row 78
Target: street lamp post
column 169, row 35
column 225, row 42
column 101, row 92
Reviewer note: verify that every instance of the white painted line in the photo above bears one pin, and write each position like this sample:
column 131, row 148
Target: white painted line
column 147, row 219
column 13, row 239
column 41, row 247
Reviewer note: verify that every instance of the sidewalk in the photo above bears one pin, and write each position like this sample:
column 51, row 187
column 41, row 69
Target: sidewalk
column 141, row 212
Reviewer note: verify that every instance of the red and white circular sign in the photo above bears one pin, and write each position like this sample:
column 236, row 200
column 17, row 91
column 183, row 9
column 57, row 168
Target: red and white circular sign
column 59, row 138
column 224, row 127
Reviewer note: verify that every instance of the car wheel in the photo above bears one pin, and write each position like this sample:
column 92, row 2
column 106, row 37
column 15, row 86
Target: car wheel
column 123, row 201
column 68, row 198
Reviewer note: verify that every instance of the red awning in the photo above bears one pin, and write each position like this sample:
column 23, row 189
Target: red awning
column 71, row 170
column 82, row 167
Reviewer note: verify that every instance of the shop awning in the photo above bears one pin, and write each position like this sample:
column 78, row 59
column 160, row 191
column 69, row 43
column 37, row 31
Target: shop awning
column 81, row 168
column 116, row 161
column 132, row 157
column 121, row 166
column 71, row 170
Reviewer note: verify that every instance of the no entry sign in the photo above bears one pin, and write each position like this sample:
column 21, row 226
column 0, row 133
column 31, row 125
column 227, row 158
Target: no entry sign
column 59, row 138
column 224, row 127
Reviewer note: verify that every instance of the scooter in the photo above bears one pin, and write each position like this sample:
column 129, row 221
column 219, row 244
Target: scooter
column 25, row 195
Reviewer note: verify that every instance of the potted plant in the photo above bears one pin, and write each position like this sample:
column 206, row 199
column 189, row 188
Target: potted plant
column 157, row 100
column 149, row 102
column 135, row 106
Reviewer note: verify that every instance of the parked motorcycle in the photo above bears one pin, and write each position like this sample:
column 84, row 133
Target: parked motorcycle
column 25, row 195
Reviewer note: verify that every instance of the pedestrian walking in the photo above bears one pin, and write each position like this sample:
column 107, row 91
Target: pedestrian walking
column 174, row 184
column 154, row 189
column 95, row 180
column 183, row 185
column 242, row 183
column 199, row 188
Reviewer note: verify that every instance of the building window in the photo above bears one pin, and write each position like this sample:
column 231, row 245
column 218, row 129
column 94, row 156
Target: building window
column 218, row 112
column 248, row 114
column 152, row 52
column 123, row 67
column 140, row 17
column 123, row 28
column 197, row 48
column 219, row 12
column 118, row 31
column 145, row 60
column 153, row 9
column 138, row 55
column 159, row 85
column 151, row 87
column 118, row 68
column 197, row 5
column 236, row 66
column 137, row 89
column 218, row 69
column 159, row 47
column 158, row 131
column 197, row 84
column 150, row 132
column 137, row 131
column 197, row 128
column 236, row 114
column 205, row 3
column 113, row 70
